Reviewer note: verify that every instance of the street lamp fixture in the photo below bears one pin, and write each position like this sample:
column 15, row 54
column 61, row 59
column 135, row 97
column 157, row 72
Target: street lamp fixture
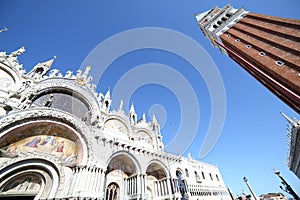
column 286, row 187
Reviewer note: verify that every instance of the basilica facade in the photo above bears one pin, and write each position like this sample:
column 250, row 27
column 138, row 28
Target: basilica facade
column 59, row 139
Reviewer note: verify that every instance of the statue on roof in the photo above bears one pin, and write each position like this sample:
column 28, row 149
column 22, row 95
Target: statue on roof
column 17, row 52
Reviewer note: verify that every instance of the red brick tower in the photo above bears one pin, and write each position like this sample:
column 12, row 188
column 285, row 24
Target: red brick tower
column 267, row 47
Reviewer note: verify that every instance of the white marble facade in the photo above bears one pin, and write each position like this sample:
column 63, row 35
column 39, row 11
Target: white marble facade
column 59, row 139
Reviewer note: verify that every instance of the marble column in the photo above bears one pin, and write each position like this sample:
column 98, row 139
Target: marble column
column 74, row 180
column 101, row 187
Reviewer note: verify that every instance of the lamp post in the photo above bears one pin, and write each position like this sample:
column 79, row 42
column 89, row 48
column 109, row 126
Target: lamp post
column 246, row 181
column 287, row 188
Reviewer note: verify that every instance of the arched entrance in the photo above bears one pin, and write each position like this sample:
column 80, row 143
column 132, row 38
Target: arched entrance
column 149, row 193
column 121, row 176
column 29, row 155
column 157, row 182
column 26, row 185
column 29, row 179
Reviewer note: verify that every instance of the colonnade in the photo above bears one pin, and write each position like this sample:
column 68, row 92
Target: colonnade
column 87, row 180
column 162, row 187
column 135, row 185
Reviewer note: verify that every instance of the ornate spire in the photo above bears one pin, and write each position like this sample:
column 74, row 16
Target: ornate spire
column 41, row 69
column 155, row 125
column 49, row 63
column 107, row 95
column 106, row 102
column 132, row 115
column 154, row 120
column 132, row 110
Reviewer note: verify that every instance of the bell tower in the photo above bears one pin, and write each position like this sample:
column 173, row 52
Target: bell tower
column 267, row 47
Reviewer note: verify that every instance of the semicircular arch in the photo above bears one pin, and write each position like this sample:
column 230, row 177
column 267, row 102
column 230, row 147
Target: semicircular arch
column 124, row 161
column 36, row 177
column 45, row 136
column 117, row 125
column 66, row 96
column 145, row 136
column 157, row 169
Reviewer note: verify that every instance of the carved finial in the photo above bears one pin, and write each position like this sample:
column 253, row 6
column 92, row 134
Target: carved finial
column 79, row 73
column 83, row 78
column 86, row 72
column 121, row 105
column 69, row 74
column 53, row 73
column 144, row 117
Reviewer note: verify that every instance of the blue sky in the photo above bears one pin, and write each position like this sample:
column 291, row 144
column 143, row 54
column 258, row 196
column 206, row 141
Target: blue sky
column 252, row 141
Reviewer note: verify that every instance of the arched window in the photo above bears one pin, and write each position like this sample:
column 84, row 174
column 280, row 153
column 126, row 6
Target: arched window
column 112, row 191
column 262, row 53
column 217, row 177
column 198, row 180
column 279, row 63
column 187, row 172
column 211, row 176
